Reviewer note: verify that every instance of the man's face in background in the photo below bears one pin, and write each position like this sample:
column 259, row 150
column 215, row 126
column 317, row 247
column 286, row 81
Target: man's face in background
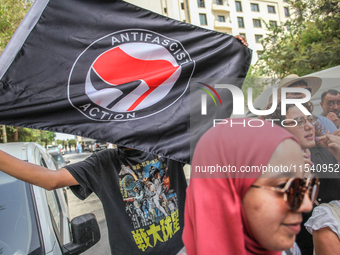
column 331, row 103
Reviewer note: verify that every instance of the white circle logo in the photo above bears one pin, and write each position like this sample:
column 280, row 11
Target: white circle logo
column 130, row 74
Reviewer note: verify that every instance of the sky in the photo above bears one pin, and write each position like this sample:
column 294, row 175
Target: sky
column 61, row 136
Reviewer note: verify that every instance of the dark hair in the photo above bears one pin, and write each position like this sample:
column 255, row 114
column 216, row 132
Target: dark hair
column 299, row 82
column 330, row 91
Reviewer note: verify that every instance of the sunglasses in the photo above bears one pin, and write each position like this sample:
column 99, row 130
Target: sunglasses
column 295, row 189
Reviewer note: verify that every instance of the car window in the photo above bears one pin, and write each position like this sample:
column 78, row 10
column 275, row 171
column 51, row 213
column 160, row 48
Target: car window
column 55, row 165
column 58, row 158
column 54, row 208
column 19, row 231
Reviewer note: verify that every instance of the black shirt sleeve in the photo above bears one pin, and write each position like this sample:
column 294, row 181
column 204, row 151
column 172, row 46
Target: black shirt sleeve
column 87, row 174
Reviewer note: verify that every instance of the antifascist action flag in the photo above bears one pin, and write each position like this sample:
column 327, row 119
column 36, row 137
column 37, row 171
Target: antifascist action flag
column 112, row 71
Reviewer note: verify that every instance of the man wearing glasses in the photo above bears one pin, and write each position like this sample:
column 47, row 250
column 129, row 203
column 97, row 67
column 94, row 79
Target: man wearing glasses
column 330, row 103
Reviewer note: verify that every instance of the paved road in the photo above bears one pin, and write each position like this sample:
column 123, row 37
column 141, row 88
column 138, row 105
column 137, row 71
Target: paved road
column 90, row 205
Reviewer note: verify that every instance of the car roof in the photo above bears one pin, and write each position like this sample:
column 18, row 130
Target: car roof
column 16, row 149
column 53, row 150
column 23, row 150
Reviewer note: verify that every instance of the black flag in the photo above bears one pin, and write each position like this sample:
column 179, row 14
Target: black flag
column 112, row 71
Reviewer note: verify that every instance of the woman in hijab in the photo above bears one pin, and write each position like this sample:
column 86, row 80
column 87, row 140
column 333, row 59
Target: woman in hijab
column 319, row 159
column 229, row 208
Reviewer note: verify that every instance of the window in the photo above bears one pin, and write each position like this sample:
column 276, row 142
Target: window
column 238, row 6
column 203, row 19
column 273, row 23
column 165, row 10
column 19, row 218
column 182, row 6
column 286, row 11
column 288, row 28
column 221, row 18
column 257, row 23
column 285, row 1
column 240, row 22
column 54, row 208
column 244, row 35
column 200, row 3
column 254, row 7
column 258, row 38
column 219, row 2
column 271, row 9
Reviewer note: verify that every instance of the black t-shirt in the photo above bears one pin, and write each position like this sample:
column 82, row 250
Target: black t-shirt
column 143, row 198
column 329, row 190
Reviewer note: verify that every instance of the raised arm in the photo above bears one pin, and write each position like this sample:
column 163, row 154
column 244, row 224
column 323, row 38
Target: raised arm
column 326, row 242
column 35, row 174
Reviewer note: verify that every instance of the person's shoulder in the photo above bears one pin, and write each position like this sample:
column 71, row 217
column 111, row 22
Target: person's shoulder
column 319, row 149
column 101, row 156
column 335, row 202
column 107, row 151
column 175, row 163
column 321, row 155
column 327, row 122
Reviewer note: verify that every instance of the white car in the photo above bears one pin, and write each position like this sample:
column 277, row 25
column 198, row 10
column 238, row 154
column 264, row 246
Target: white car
column 58, row 157
column 36, row 221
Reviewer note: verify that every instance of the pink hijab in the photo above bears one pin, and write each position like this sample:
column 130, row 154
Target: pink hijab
column 214, row 218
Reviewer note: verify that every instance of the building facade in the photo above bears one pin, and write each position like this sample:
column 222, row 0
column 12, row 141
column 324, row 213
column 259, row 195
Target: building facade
column 175, row 9
column 243, row 17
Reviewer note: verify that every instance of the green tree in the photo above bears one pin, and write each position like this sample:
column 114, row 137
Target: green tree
column 46, row 137
column 254, row 81
column 11, row 14
column 306, row 43
column 72, row 142
column 29, row 135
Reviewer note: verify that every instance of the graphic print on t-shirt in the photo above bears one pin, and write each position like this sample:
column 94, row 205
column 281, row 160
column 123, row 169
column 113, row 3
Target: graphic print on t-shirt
column 150, row 203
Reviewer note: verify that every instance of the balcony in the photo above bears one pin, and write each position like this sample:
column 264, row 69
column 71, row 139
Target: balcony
column 221, row 6
column 223, row 25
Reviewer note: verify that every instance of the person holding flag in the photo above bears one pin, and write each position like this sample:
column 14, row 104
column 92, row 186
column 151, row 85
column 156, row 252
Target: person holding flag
column 118, row 177
column 125, row 78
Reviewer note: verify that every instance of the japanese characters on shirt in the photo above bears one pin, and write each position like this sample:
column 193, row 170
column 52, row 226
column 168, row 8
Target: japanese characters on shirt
column 149, row 202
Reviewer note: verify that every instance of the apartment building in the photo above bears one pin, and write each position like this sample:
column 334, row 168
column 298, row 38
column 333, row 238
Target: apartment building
column 244, row 17
column 175, row 9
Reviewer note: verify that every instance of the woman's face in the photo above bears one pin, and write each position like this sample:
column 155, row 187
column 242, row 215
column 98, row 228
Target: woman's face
column 305, row 134
column 271, row 223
